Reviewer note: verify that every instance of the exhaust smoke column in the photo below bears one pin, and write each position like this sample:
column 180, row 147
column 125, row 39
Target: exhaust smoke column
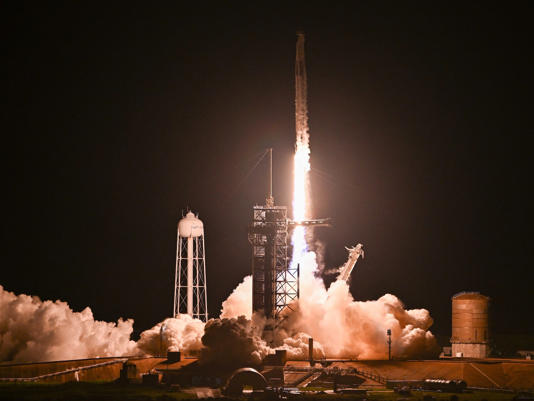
column 302, row 156
column 301, row 105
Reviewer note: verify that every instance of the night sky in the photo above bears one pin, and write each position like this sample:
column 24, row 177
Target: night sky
column 117, row 118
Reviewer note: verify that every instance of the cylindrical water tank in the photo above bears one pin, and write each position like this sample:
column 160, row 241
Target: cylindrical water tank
column 190, row 226
column 470, row 318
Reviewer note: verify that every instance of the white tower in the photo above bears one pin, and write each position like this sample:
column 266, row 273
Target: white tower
column 190, row 296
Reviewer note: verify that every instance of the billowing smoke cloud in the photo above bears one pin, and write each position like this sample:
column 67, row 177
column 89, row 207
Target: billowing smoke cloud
column 237, row 341
column 234, row 339
column 182, row 333
column 239, row 303
column 233, row 342
column 35, row 330
column 360, row 326
column 296, row 345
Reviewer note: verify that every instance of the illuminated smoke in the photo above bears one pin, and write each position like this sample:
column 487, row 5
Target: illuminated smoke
column 360, row 327
column 239, row 303
column 233, row 342
column 182, row 333
column 234, row 339
column 237, row 341
column 35, row 330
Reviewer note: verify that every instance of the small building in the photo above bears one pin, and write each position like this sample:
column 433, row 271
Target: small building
column 446, row 352
column 526, row 354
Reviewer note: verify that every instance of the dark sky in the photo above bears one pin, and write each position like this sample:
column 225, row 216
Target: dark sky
column 119, row 117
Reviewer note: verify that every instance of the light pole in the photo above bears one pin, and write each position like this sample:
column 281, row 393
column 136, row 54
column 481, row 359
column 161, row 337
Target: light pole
column 389, row 344
column 161, row 331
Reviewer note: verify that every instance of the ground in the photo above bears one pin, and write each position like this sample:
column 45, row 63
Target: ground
column 74, row 391
column 117, row 392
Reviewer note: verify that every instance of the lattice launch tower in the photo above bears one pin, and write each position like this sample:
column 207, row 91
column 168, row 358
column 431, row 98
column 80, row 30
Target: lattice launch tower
column 274, row 285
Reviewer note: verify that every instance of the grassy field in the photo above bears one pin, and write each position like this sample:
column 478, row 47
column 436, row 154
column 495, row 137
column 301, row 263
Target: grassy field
column 117, row 392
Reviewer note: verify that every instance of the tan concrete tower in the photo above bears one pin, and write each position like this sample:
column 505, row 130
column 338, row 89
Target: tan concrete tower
column 470, row 334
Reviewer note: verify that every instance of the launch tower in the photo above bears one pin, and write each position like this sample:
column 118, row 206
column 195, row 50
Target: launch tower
column 274, row 285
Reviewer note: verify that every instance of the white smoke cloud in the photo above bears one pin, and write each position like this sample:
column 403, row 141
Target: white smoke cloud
column 340, row 326
column 35, row 330
column 182, row 333
column 348, row 328
column 297, row 346
column 233, row 342
column 239, row 303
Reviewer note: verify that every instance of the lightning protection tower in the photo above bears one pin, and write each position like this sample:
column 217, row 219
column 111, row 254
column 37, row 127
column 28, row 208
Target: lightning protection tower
column 190, row 295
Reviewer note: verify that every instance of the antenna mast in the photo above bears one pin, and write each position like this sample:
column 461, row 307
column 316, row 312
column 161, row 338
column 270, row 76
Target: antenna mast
column 270, row 200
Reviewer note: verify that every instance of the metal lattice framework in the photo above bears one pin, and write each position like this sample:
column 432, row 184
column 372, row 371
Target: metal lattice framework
column 190, row 254
column 275, row 285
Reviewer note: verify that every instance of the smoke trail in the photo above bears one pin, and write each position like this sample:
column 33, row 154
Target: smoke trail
column 35, row 330
column 301, row 93
column 301, row 163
